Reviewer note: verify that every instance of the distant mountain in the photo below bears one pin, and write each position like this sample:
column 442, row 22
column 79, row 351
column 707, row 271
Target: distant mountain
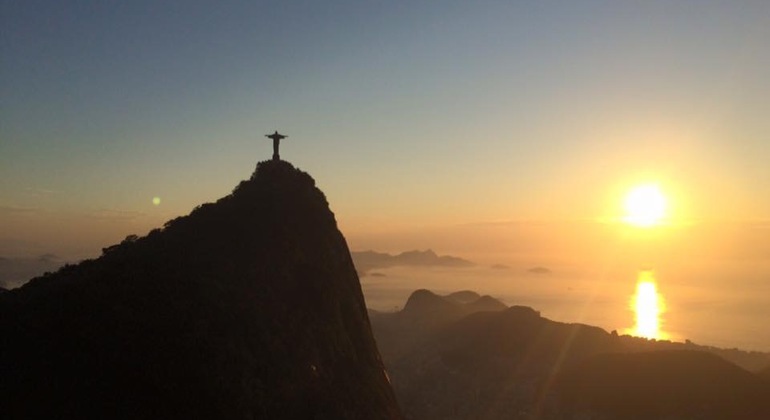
column 16, row 271
column 464, row 296
column 539, row 270
column 425, row 312
column 424, row 304
column 513, row 363
column 247, row 308
column 366, row 261
column 485, row 303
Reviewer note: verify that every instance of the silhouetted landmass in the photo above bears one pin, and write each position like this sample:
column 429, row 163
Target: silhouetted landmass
column 513, row 363
column 377, row 274
column 539, row 270
column 485, row 303
column 663, row 384
column 464, row 296
column 366, row 261
column 500, row 267
column 424, row 313
column 753, row 361
column 473, row 302
column 765, row 373
column 424, row 305
column 14, row 272
column 246, row 308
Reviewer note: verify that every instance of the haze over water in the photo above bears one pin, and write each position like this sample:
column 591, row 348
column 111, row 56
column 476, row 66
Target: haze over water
column 673, row 305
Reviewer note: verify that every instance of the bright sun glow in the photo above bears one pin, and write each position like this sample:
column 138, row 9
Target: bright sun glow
column 648, row 306
column 645, row 206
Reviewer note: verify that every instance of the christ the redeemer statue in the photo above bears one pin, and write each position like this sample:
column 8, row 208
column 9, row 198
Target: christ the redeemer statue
column 276, row 142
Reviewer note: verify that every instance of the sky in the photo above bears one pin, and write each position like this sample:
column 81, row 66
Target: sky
column 426, row 123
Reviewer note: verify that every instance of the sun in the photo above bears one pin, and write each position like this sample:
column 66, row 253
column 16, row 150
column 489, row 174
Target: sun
column 645, row 206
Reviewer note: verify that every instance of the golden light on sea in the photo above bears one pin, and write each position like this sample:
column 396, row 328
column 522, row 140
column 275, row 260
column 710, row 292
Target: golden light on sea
column 648, row 306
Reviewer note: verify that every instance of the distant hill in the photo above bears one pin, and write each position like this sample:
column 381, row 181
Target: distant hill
column 426, row 305
column 366, row 261
column 16, row 271
column 464, row 297
column 513, row 363
column 425, row 312
column 247, row 308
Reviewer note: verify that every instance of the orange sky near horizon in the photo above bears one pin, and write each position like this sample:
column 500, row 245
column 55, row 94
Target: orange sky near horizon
column 448, row 211
column 414, row 123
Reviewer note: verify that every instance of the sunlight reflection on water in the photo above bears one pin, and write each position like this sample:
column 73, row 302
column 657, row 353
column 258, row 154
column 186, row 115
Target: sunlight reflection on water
column 648, row 306
column 698, row 302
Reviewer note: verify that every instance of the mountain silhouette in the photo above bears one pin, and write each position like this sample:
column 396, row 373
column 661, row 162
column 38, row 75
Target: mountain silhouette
column 366, row 261
column 514, row 363
column 465, row 297
column 249, row 307
column 425, row 313
column 426, row 307
column 16, row 271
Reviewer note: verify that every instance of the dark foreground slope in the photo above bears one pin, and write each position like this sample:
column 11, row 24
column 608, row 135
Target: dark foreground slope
column 513, row 363
column 664, row 384
column 246, row 308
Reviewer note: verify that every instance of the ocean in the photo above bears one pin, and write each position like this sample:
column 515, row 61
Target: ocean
column 721, row 303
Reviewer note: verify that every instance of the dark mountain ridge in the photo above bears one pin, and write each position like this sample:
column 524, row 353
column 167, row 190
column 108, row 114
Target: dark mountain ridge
column 247, row 308
column 514, row 363
column 425, row 313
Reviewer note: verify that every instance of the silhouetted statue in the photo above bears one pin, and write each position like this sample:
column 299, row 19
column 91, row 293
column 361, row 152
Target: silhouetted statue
column 276, row 143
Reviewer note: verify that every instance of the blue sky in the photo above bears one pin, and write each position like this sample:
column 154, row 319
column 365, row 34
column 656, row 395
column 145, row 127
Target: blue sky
column 407, row 113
